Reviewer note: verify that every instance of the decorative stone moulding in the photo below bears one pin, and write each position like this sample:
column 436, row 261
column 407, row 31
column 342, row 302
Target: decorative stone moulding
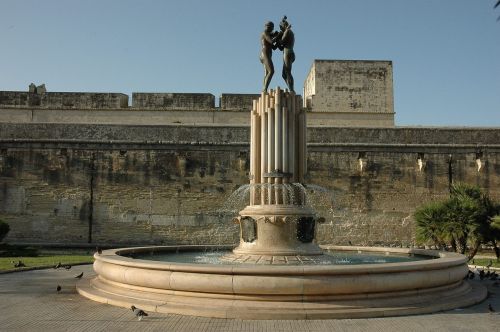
column 283, row 292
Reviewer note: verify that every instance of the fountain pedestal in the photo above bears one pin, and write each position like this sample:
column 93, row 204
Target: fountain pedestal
column 277, row 222
column 283, row 230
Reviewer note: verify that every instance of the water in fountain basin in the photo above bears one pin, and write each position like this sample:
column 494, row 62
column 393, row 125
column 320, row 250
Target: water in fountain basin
column 330, row 258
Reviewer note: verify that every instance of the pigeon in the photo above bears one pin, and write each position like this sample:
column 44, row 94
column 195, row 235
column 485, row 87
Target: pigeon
column 58, row 265
column 67, row 267
column 79, row 276
column 19, row 264
column 490, row 308
column 139, row 313
column 58, row 288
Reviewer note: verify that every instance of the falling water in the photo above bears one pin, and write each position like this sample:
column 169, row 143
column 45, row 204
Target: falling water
column 309, row 195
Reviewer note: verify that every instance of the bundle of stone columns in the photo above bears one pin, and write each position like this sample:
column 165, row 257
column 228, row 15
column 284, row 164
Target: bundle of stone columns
column 277, row 225
column 278, row 147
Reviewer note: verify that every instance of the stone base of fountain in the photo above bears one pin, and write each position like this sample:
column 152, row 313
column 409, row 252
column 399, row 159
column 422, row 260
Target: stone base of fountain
column 284, row 292
column 284, row 232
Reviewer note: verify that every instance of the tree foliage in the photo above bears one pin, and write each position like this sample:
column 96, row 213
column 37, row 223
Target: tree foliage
column 465, row 221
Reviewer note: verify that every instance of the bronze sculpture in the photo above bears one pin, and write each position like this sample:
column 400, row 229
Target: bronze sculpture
column 284, row 40
column 268, row 44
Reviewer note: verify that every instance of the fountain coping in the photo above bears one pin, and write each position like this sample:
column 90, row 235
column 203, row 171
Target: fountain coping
column 442, row 260
column 283, row 292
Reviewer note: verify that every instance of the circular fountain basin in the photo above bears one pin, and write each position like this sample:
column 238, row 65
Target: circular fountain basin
column 251, row 291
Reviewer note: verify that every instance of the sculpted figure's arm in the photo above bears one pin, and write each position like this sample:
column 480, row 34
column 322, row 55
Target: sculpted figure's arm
column 266, row 37
column 285, row 37
column 277, row 41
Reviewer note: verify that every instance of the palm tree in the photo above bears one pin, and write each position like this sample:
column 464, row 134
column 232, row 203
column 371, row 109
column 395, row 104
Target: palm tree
column 464, row 221
column 430, row 220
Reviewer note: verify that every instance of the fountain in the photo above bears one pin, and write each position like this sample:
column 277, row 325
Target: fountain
column 274, row 273
column 277, row 271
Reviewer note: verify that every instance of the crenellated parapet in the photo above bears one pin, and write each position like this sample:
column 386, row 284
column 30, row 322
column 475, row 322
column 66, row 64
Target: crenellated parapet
column 237, row 101
column 65, row 100
column 173, row 101
column 164, row 101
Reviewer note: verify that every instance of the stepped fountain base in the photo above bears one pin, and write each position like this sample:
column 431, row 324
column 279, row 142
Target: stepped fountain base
column 283, row 292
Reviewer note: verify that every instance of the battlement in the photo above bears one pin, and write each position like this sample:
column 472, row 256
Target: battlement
column 72, row 100
column 173, row 101
column 140, row 100
column 237, row 101
column 339, row 93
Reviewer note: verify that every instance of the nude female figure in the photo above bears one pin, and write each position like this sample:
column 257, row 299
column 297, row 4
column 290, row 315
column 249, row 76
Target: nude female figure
column 267, row 43
column 286, row 43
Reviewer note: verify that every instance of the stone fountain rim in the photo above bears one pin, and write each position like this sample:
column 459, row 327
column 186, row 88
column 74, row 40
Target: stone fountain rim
column 440, row 260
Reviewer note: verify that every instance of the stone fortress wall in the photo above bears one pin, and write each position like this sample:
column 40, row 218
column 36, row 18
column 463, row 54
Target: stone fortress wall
column 350, row 86
column 337, row 93
column 80, row 168
column 113, row 108
column 130, row 184
column 351, row 92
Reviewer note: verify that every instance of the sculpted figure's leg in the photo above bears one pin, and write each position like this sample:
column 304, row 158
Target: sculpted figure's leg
column 269, row 72
column 287, row 70
column 290, row 79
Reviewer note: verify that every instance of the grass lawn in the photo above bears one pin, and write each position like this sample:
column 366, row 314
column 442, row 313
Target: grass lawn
column 36, row 257
column 485, row 261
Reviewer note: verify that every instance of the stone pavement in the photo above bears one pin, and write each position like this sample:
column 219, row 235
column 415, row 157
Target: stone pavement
column 30, row 302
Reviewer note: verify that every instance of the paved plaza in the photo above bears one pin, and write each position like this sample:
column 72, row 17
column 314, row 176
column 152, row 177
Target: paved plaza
column 30, row 302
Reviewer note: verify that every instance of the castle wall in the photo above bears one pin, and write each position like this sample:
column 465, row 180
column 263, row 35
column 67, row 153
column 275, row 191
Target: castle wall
column 173, row 101
column 237, row 101
column 217, row 116
column 356, row 90
column 184, row 108
column 64, row 100
column 166, row 184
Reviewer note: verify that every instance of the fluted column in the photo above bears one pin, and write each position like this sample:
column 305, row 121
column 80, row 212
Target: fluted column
column 278, row 147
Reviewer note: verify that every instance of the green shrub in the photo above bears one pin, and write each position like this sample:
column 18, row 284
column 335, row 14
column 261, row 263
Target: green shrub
column 4, row 229
column 464, row 222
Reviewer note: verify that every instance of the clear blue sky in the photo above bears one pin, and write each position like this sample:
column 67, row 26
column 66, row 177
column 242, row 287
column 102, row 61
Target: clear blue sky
column 446, row 53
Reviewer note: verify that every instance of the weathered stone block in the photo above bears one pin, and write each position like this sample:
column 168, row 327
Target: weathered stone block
column 57, row 100
column 352, row 87
column 173, row 101
column 237, row 101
